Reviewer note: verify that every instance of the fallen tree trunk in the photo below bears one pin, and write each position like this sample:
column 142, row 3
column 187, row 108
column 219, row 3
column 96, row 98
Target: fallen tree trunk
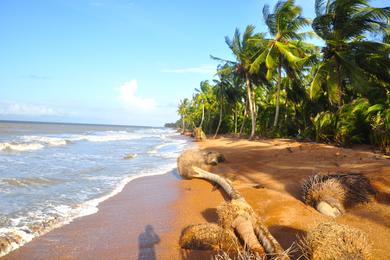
column 239, row 216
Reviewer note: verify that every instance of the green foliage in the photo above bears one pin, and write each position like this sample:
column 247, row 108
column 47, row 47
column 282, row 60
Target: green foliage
column 337, row 94
column 325, row 125
column 380, row 125
column 352, row 124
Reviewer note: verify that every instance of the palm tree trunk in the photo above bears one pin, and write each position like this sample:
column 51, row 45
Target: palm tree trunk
column 278, row 92
column 340, row 84
column 220, row 119
column 243, row 119
column 247, row 224
column 235, row 119
column 183, row 125
column 221, row 181
column 201, row 121
column 251, row 109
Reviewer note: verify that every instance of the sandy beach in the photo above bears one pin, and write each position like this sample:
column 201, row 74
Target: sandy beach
column 145, row 220
column 269, row 174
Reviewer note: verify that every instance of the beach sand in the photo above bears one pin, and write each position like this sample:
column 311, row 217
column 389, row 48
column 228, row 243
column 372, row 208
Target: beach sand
column 267, row 172
column 127, row 226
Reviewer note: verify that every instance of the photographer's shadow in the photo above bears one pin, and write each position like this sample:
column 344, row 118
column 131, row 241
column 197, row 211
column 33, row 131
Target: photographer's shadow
column 146, row 243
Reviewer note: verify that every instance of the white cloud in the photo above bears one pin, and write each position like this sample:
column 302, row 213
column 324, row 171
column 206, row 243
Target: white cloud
column 130, row 99
column 205, row 69
column 27, row 109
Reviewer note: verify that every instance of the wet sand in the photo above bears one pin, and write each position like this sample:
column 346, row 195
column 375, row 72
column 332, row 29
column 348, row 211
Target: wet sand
column 267, row 172
column 127, row 226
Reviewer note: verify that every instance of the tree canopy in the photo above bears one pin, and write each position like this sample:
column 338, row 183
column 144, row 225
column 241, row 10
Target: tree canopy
column 281, row 85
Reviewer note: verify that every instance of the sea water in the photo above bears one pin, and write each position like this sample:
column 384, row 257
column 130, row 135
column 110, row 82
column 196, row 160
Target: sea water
column 52, row 173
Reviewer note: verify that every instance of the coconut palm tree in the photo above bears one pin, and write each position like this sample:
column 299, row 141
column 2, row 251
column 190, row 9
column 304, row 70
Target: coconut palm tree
column 183, row 111
column 283, row 50
column 343, row 25
column 220, row 88
column 203, row 101
column 244, row 51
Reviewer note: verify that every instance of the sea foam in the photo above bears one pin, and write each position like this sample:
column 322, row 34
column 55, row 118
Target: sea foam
column 14, row 237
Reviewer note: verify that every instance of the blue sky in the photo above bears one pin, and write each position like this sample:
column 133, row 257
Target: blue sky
column 114, row 61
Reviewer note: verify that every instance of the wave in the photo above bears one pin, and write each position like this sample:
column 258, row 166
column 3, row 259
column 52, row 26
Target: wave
column 107, row 137
column 33, row 142
column 179, row 144
column 53, row 141
column 25, row 182
column 14, row 146
column 16, row 236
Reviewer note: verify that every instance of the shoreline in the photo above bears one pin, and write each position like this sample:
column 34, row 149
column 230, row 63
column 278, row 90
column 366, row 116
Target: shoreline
column 88, row 237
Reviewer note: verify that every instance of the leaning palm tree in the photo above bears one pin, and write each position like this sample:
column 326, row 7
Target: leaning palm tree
column 183, row 111
column 244, row 51
column 343, row 24
column 220, row 88
column 204, row 100
column 283, row 50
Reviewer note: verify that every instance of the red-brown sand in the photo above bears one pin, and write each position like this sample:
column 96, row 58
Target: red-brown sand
column 268, row 173
column 127, row 226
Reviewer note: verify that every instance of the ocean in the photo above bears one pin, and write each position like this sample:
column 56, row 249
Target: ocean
column 52, row 173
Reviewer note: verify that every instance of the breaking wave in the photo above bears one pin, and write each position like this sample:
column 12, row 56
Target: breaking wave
column 32, row 142
column 20, row 233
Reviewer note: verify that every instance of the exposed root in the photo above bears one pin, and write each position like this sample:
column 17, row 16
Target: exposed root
column 188, row 159
column 236, row 215
column 330, row 194
column 208, row 236
column 330, row 240
column 213, row 158
column 199, row 134
column 199, row 159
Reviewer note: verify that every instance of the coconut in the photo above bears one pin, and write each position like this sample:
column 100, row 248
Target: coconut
column 208, row 236
column 330, row 240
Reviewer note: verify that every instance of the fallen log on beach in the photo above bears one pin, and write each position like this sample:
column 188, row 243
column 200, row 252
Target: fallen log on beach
column 235, row 216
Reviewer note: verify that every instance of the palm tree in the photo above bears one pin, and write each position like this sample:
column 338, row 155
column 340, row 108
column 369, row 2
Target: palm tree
column 219, row 89
column 283, row 49
column 204, row 100
column 183, row 111
column 343, row 24
column 244, row 51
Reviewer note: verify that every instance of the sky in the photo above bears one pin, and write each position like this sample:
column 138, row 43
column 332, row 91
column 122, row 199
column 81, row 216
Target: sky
column 126, row 62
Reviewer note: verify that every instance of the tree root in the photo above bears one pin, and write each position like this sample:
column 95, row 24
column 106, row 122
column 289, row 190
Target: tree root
column 237, row 216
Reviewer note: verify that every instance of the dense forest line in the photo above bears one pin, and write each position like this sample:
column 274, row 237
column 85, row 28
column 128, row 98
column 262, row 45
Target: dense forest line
column 281, row 85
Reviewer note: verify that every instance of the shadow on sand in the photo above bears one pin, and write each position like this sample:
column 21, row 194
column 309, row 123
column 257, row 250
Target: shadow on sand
column 146, row 243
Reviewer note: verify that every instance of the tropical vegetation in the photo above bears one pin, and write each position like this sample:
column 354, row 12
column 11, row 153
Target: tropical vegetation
column 280, row 84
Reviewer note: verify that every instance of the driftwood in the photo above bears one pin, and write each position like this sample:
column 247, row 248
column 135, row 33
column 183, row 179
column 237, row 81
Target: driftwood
column 199, row 134
column 331, row 194
column 330, row 240
column 236, row 215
